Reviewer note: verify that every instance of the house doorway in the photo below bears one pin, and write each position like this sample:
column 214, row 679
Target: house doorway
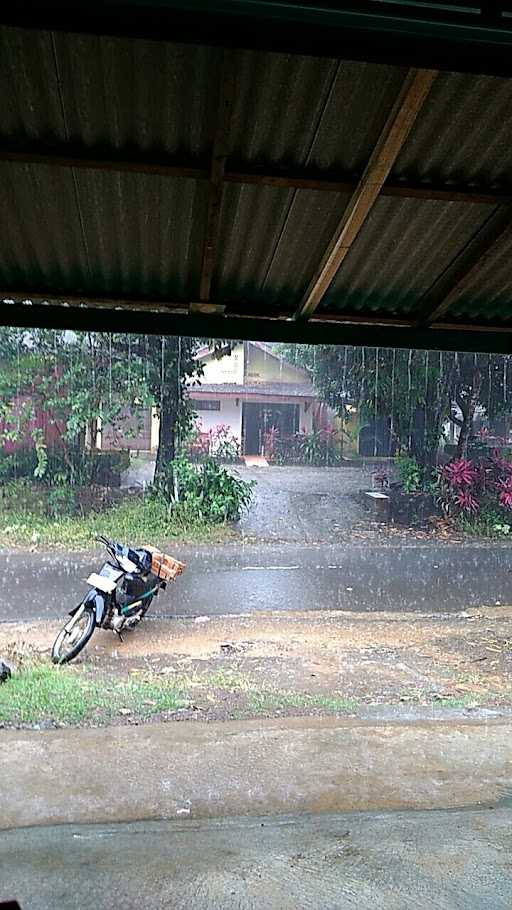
column 259, row 418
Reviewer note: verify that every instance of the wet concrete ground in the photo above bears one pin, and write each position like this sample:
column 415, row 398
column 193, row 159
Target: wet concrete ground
column 278, row 766
column 304, row 504
column 458, row 860
column 244, row 579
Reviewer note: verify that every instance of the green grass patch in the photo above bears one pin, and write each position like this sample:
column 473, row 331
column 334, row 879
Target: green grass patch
column 48, row 693
column 263, row 700
column 266, row 702
column 137, row 521
column 426, row 698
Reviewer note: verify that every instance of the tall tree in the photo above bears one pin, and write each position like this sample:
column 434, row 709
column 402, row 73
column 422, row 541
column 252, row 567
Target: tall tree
column 416, row 390
column 83, row 378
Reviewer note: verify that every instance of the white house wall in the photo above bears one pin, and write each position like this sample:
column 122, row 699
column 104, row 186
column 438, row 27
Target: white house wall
column 230, row 414
column 229, row 368
column 263, row 367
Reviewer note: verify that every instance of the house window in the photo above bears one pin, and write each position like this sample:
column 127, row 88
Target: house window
column 206, row 404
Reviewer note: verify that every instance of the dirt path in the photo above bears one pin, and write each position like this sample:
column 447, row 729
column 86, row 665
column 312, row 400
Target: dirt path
column 270, row 665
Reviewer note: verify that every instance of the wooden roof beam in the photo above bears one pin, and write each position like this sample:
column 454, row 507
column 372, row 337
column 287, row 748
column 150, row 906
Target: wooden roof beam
column 241, row 173
column 464, row 268
column 218, row 165
column 398, row 125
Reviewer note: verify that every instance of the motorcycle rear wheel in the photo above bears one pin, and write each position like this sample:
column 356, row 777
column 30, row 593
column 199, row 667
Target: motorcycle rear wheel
column 69, row 643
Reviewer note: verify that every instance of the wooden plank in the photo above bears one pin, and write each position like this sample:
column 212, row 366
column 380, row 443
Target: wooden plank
column 307, row 179
column 298, row 178
column 398, row 125
column 75, row 158
column 61, row 298
column 464, row 268
column 170, row 307
column 218, row 164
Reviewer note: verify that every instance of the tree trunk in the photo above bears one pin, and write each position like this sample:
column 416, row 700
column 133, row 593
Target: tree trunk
column 166, row 438
column 438, row 408
column 170, row 399
column 468, row 409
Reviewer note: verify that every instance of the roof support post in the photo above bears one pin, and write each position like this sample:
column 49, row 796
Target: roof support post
column 398, row 125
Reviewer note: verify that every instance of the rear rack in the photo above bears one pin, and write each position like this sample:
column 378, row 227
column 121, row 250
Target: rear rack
column 164, row 566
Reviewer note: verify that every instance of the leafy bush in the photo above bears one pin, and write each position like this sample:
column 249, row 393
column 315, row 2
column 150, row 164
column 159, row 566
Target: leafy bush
column 56, row 466
column 209, row 492
column 218, row 443
column 320, row 447
column 409, row 473
column 22, row 463
column 223, row 444
column 61, row 501
column 478, row 491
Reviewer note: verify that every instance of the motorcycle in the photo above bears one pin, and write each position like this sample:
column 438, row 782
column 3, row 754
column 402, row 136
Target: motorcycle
column 120, row 595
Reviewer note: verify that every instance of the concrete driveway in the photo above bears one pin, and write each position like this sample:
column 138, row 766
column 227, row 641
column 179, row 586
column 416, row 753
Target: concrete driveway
column 303, row 504
column 370, row 861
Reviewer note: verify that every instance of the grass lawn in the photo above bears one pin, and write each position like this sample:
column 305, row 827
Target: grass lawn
column 72, row 696
column 135, row 520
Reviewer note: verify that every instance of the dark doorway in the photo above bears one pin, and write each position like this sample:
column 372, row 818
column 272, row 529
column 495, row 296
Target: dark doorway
column 258, row 419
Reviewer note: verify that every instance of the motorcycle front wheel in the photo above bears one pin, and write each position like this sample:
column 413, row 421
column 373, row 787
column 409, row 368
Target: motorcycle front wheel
column 73, row 637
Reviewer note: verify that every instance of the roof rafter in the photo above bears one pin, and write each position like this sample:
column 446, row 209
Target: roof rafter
column 218, row 164
column 400, row 121
column 464, row 268
column 243, row 173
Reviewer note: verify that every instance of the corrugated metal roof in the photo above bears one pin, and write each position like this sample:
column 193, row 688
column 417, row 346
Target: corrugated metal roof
column 489, row 298
column 464, row 133
column 301, row 110
column 91, row 231
column 100, row 232
column 108, row 93
column 404, row 246
column 271, row 240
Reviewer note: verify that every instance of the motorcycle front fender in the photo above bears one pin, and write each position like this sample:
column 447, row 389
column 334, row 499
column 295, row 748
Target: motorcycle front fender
column 96, row 600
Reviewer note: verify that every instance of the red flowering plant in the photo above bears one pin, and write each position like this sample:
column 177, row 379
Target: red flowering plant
column 460, row 473
column 223, row 444
column 505, row 493
column 270, row 442
column 466, row 487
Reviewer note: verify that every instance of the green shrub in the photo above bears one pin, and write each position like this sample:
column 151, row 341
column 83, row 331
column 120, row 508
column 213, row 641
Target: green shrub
column 22, row 463
column 76, row 467
column 409, row 473
column 61, row 501
column 207, row 491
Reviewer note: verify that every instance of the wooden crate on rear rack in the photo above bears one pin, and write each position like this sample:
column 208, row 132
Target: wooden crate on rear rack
column 163, row 565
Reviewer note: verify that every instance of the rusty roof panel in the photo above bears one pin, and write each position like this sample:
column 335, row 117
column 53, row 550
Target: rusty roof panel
column 402, row 249
column 271, row 241
column 463, row 134
column 294, row 111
